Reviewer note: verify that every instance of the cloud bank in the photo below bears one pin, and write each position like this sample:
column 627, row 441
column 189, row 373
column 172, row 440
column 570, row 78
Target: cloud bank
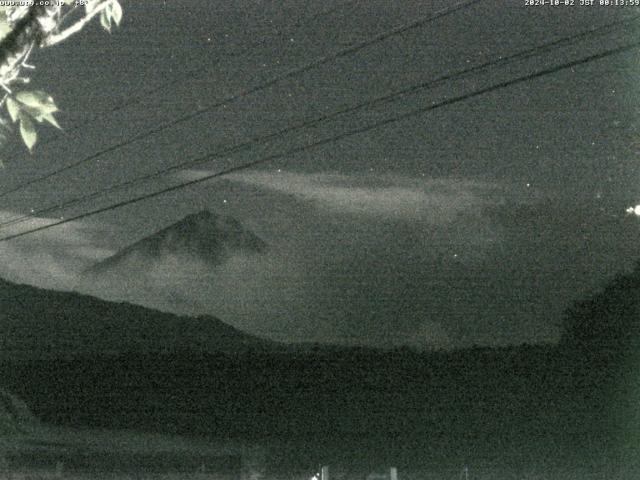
column 366, row 259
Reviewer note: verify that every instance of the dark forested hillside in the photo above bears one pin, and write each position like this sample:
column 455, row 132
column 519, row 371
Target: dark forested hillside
column 479, row 392
column 601, row 342
column 38, row 323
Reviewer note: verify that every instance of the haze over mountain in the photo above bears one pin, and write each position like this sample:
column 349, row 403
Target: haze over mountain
column 42, row 323
column 203, row 237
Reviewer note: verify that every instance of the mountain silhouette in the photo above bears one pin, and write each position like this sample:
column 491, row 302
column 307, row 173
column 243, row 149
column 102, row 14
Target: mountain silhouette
column 203, row 237
column 38, row 323
column 606, row 323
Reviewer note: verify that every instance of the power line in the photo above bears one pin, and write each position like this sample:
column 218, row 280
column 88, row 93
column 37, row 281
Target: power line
column 143, row 95
column 527, row 53
column 243, row 93
column 319, row 143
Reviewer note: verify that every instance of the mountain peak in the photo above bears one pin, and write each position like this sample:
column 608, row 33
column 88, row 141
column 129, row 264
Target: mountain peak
column 203, row 236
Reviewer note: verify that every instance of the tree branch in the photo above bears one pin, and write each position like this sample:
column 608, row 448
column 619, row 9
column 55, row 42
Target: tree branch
column 30, row 30
column 76, row 27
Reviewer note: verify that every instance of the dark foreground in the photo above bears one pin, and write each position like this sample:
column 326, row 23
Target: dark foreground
column 570, row 411
column 526, row 412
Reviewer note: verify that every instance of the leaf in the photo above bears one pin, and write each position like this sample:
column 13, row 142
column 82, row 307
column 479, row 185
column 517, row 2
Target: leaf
column 105, row 19
column 38, row 116
column 116, row 12
column 37, row 100
column 49, row 118
column 13, row 108
column 5, row 28
column 28, row 132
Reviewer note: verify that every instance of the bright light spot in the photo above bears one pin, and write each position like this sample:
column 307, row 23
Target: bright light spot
column 455, row 255
column 528, row 185
column 224, row 201
column 633, row 210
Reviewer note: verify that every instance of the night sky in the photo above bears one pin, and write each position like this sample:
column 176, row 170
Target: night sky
column 476, row 223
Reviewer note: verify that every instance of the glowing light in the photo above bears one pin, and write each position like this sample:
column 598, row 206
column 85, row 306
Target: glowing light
column 633, row 211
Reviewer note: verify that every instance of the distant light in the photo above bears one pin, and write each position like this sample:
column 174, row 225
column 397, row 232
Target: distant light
column 528, row 185
column 224, row 201
column 633, row 210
